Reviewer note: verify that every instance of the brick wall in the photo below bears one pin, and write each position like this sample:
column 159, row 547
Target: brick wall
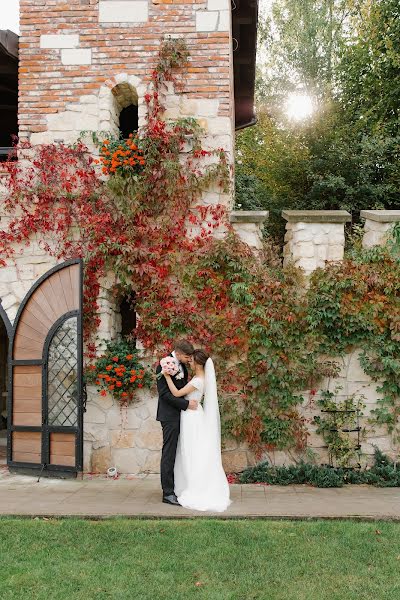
column 73, row 53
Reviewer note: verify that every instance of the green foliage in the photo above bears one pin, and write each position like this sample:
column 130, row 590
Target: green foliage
column 369, row 70
column 383, row 473
column 356, row 304
column 346, row 55
column 337, row 424
column 271, row 169
column 301, row 41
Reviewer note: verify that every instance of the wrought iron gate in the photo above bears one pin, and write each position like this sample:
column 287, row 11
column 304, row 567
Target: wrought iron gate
column 45, row 399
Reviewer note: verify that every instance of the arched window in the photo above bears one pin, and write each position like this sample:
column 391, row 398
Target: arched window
column 125, row 108
column 127, row 308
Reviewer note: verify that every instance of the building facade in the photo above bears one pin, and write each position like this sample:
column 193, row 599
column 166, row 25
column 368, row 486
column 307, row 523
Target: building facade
column 86, row 65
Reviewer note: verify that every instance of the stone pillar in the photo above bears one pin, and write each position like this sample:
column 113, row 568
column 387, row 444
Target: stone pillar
column 314, row 237
column 377, row 226
column 248, row 224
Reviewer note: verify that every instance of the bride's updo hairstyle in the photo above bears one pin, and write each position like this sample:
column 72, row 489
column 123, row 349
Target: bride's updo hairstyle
column 200, row 357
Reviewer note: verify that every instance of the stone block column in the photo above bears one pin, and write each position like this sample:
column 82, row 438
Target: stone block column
column 248, row 224
column 377, row 226
column 314, row 237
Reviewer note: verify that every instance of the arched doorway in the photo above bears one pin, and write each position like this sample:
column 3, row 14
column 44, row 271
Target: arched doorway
column 45, row 371
column 5, row 335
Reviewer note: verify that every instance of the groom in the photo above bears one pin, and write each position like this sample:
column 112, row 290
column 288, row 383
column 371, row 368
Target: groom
column 169, row 414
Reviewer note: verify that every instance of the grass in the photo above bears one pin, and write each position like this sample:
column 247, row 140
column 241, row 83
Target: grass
column 203, row 559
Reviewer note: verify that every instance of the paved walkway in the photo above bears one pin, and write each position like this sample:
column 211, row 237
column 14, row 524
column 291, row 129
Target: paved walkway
column 139, row 496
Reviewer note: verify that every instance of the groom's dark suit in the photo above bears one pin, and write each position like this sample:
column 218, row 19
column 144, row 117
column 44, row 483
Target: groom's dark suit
column 169, row 414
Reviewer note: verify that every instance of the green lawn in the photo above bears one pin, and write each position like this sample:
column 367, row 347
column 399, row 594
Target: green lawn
column 229, row 560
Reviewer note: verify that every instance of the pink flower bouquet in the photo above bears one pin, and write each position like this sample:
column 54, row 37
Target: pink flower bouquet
column 170, row 365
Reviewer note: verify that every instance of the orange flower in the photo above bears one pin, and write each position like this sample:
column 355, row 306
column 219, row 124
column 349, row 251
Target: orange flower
column 133, row 379
column 98, row 382
column 140, row 385
column 103, row 393
column 106, row 142
column 118, row 384
column 115, row 358
column 111, row 387
column 124, row 394
column 129, row 356
column 109, row 367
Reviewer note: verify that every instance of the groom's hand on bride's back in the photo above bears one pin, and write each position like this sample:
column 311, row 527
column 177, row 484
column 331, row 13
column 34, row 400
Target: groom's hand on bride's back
column 193, row 404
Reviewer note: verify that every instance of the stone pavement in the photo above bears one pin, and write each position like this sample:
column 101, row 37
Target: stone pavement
column 139, row 496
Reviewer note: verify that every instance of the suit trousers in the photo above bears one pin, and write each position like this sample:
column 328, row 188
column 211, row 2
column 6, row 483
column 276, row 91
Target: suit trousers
column 171, row 431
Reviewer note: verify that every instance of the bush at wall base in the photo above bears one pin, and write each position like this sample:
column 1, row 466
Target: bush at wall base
column 383, row 473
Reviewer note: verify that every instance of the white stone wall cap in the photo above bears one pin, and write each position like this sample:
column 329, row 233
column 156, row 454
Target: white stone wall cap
column 76, row 56
column 248, row 216
column 382, row 216
column 224, row 23
column 317, row 216
column 207, row 20
column 125, row 11
column 219, row 5
column 59, row 40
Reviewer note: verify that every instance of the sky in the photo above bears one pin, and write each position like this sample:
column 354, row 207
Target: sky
column 9, row 17
column 9, row 14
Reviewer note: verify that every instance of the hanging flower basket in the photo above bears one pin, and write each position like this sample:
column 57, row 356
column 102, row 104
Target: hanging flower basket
column 119, row 372
column 121, row 157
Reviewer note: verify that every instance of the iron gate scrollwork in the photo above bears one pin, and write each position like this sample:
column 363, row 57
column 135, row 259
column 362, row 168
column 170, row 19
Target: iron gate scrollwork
column 62, row 375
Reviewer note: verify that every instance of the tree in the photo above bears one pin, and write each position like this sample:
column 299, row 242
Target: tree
column 369, row 71
column 301, row 42
column 346, row 53
column 271, row 168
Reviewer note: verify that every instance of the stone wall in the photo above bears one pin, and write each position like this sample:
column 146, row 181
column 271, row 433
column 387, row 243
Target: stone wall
column 314, row 237
column 19, row 274
column 377, row 226
column 351, row 380
column 131, row 439
column 249, row 225
column 127, row 438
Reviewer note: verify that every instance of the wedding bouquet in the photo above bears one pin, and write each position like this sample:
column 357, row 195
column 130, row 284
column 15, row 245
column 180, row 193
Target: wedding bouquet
column 170, row 365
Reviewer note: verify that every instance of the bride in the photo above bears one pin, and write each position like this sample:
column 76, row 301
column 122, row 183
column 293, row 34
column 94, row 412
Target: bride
column 200, row 480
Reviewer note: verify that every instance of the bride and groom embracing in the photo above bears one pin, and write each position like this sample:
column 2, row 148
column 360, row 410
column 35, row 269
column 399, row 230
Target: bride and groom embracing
column 192, row 475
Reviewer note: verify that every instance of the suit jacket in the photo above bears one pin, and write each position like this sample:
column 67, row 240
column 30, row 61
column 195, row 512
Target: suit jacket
column 169, row 407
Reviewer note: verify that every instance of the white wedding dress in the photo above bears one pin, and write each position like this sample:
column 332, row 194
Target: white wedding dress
column 200, row 480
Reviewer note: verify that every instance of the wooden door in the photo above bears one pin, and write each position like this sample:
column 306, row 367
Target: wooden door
column 45, row 369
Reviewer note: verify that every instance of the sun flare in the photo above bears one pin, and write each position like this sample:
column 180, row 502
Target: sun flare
column 299, row 106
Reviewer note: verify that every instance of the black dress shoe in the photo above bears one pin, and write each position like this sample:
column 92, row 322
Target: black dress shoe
column 171, row 499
